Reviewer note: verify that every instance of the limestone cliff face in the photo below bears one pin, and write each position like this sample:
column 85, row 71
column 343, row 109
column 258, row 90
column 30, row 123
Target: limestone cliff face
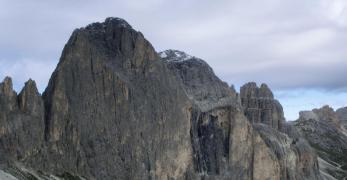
column 322, row 128
column 296, row 157
column 260, row 106
column 226, row 144
column 21, row 121
column 115, row 109
column 297, row 160
column 217, row 123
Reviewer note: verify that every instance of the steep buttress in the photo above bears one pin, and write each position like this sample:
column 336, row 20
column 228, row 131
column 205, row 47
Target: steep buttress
column 113, row 110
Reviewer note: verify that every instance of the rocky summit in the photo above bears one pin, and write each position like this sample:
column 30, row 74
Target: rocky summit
column 260, row 106
column 114, row 108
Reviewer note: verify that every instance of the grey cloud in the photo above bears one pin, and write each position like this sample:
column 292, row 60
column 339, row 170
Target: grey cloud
column 286, row 43
column 24, row 69
column 296, row 76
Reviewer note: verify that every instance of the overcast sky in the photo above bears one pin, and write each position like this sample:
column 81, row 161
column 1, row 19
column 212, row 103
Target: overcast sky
column 297, row 47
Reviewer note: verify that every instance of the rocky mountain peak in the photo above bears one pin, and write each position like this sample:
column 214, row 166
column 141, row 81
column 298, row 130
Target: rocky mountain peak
column 260, row 106
column 110, row 22
column 327, row 114
column 30, row 85
column 123, row 47
column 29, row 98
column 326, row 108
column 200, row 82
column 8, row 97
column 251, row 90
column 264, row 91
column 175, row 55
column 115, row 21
column 6, row 86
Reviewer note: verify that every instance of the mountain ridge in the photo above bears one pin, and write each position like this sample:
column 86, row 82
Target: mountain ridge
column 114, row 108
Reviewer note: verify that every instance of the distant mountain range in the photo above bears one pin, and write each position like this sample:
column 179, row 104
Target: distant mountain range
column 114, row 108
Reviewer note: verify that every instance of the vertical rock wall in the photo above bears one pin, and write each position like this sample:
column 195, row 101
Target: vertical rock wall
column 260, row 106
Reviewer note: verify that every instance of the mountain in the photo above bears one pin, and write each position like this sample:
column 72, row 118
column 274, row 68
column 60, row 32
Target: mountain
column 324, row 130
column 226, row 144
column 114, row 108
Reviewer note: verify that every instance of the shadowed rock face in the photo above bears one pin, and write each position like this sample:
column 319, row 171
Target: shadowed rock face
column 260, row 106
column 8, row 95
column 115, row 109
column 323, row 130
column 22, row 122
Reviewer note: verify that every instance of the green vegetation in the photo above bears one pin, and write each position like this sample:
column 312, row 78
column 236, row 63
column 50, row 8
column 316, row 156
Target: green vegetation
column 68, row 176
column 333, row 157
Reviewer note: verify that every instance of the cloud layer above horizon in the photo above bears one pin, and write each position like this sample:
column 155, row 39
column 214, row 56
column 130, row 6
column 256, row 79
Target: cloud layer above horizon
column 297, row 47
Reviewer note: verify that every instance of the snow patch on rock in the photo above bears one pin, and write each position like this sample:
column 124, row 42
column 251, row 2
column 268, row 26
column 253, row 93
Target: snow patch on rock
column 175, row 56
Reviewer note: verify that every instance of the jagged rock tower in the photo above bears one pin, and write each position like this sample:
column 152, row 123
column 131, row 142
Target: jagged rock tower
column 260, row 106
